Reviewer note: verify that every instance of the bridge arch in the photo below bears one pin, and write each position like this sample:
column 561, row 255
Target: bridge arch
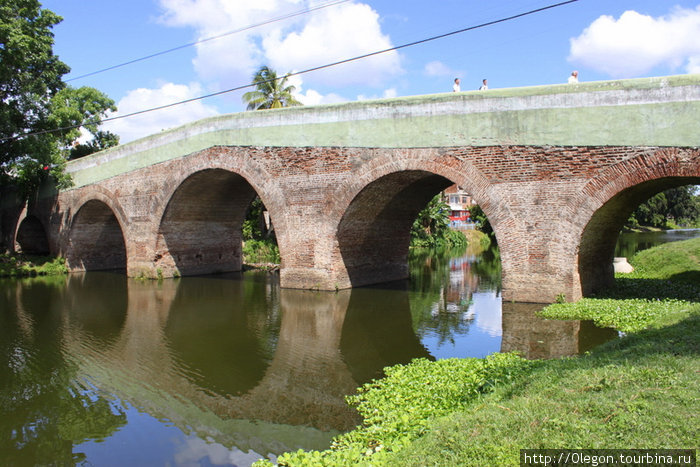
column 200, row 226
column 96, row 236
column 374, row 211
column 611, row 197
column 32, row 237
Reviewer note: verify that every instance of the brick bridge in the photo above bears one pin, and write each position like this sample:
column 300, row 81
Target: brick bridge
column 557, row 170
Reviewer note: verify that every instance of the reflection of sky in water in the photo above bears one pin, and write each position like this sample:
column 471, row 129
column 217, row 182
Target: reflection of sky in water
column 483, row 336
column 196, row 451
column 150, row 441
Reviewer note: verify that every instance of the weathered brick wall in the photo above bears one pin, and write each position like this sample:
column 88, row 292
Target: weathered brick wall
column 342, row 214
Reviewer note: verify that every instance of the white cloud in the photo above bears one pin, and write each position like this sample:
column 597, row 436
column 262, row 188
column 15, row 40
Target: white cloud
column 437, row 68
column 312, row 97
column 693, row 64
column 325, row 35
column 334, row 34
column 387, row 94
column 635, row 43
column 149, row 123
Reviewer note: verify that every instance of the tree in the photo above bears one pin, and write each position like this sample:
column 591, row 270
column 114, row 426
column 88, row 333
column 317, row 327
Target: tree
column 34, row 100
column 270, row 92
column 478, row 216
column 81, row 108
column 680, row 204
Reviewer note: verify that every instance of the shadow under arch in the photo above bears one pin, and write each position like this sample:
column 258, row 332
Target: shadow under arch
column 96, row 239
column 200, row 231
column 374, row 232
column 599, row 237
column 31, row 237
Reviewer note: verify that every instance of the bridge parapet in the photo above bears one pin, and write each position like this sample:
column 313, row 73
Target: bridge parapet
column 639, row 112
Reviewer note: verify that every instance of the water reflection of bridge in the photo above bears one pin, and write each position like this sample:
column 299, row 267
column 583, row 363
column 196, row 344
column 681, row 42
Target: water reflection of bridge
column 289, row 356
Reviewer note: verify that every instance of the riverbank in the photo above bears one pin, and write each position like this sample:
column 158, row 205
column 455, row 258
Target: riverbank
column 19, row 265
column 637, row 391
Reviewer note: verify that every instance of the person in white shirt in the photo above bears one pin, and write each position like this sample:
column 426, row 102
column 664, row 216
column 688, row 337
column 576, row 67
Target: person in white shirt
column 484, row 85
column 573, row 79
column 455, row 87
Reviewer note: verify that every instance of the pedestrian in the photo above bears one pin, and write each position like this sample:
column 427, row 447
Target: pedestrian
column 573, row 79
column 484, row 85
column 455, row 87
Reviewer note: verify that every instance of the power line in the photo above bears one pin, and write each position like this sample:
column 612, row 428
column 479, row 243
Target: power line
column 207, row 39
column 308, row 70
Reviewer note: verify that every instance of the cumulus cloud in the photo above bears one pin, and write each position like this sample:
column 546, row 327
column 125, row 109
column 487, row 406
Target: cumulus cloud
column 311, row 96
column 334, row 34
column 634, row 44
column 387, row 94
column 149, row 123
column 325, row 35
column 437, row 68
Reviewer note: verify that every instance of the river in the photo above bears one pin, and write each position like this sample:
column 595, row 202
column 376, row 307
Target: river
column 99, row 369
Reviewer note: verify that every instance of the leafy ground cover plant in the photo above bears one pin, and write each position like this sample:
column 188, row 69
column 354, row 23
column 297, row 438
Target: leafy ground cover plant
column 18, row 265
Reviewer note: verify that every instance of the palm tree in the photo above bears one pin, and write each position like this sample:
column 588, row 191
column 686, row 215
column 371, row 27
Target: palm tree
column 270, row 92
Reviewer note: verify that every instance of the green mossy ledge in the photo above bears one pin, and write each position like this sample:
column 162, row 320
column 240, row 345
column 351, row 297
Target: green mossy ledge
column 638, row 112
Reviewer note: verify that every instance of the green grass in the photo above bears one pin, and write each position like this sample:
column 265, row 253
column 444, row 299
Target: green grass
column 20, row 265
column 260, row 251
column 666, row 279
column 640, row 391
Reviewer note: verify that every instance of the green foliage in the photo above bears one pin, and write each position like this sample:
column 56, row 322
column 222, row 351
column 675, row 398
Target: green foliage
column 431, row 227
column 259, row 244
column 35, row 100
column 677, row 206
column 20, row 265
column 477, row 214
column 666, row 281
column 400, row 407
column 636, row 391
column 252, row 225
column 628, row 315
column 261, row 251
column 270, row 92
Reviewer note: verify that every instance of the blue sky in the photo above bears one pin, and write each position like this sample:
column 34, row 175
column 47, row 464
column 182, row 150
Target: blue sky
column 602, row 39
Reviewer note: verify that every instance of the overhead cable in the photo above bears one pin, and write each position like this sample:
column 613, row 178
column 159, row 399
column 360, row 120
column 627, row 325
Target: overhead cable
column 308, row 70
column 207, row 39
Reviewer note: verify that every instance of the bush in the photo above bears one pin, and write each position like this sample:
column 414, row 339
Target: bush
column 261, row 251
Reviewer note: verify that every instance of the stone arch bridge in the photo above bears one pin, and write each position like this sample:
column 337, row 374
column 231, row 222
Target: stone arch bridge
column 557, row 170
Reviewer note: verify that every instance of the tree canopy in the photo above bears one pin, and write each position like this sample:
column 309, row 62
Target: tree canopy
column 270, row 92
column 35, row 101
column 678, row 205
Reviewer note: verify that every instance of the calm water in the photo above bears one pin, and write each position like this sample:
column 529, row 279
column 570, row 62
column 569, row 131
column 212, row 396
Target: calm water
column 222, row 370
column 629, row 242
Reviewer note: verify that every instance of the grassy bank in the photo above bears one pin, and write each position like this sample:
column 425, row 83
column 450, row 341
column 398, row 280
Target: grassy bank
column 19, row 265
column 638, row 391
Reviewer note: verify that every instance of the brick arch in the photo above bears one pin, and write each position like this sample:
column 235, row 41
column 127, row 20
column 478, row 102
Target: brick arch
column 609, row 199
column 372, row 213
column 236, row 161
column 32, row 236
column 233, row 159
column 447, row 163
column 96, row 237
column 97, row 193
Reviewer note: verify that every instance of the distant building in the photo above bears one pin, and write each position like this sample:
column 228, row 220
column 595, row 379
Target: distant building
column 460, row 202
